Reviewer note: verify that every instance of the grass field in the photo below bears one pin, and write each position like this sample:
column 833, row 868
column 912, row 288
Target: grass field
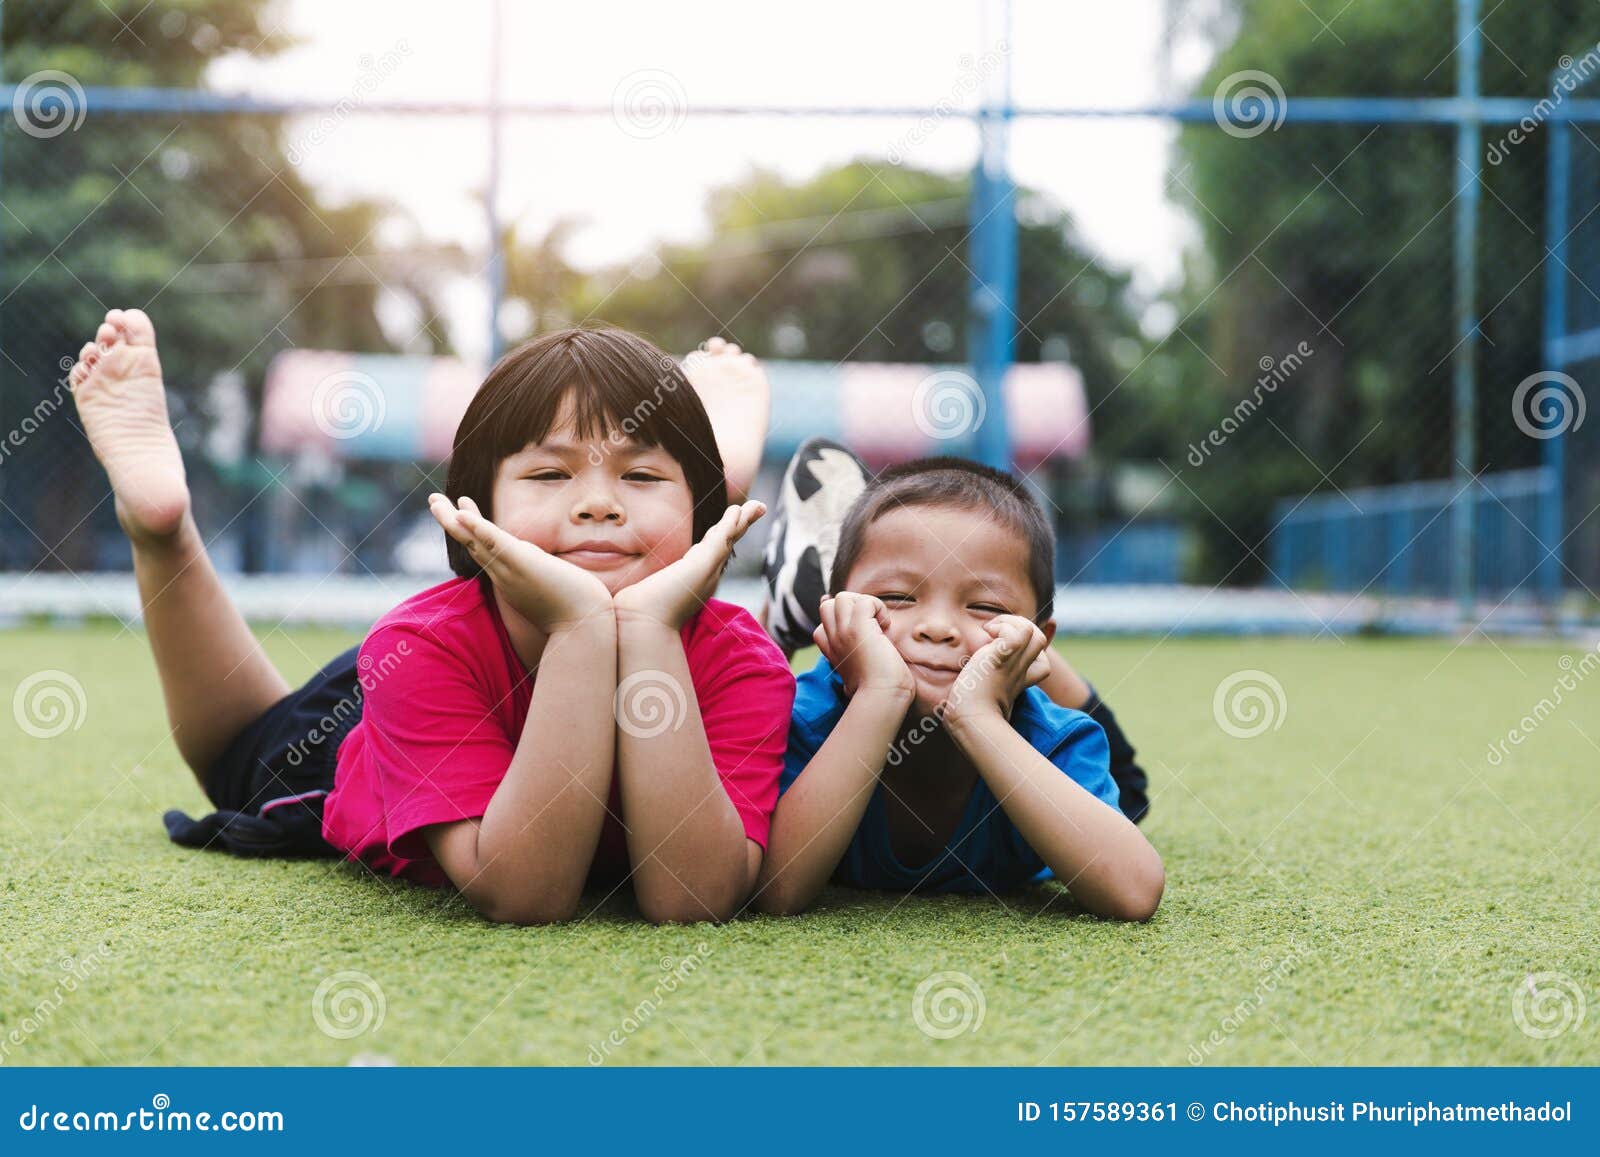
column 1360, row 885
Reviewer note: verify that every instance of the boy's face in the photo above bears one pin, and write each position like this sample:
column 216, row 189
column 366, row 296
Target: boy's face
column 563, row 493
column 942, row 573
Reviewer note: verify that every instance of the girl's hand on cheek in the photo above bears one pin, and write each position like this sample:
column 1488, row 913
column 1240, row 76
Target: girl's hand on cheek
column 676, row 591
column 999, row 671
column 549, row 592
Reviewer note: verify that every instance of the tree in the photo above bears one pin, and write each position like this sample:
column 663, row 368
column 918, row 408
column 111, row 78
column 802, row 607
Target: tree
column 201, row 220
column 1341, row 235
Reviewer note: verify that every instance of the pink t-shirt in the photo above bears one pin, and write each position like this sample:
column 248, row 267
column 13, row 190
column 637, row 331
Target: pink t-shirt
column 444, row 700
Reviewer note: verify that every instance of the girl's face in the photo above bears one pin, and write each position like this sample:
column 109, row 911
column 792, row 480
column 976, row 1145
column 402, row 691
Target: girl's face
column 615, row 507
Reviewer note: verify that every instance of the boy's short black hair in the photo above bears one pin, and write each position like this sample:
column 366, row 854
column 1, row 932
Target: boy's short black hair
column 621, row 385
column 964, row 485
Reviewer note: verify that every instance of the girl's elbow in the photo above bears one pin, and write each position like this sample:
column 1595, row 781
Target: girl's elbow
column 774, row 900
column 526, row 911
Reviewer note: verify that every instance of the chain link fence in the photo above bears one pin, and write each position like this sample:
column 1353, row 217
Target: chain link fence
column 1236, row 255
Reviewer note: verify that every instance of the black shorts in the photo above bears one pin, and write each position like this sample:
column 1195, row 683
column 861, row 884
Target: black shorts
column 270, row 783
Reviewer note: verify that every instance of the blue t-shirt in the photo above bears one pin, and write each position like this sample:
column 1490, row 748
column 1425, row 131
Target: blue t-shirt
column 987, row 853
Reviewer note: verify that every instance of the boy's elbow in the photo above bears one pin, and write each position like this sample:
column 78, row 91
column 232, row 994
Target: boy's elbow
column 1138, row 902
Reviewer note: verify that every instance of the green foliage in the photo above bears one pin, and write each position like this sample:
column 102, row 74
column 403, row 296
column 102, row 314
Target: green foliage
column 200, row 220
column 1342, row 235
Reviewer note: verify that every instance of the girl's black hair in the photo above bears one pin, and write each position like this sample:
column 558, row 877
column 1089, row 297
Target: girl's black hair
column 621, row 386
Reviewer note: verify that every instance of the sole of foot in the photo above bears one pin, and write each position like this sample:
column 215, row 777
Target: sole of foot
column 122, row 403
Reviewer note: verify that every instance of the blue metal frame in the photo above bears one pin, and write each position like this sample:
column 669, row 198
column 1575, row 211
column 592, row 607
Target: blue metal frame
column 993, row 233
column 1464, row 371
column 1557, row 181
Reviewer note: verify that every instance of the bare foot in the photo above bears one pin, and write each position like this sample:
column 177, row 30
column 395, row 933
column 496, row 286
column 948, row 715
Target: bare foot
column 736, row 394
column 116, row 384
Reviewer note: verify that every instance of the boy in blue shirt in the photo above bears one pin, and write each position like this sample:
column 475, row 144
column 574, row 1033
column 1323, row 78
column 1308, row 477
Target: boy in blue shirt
column 925, row 753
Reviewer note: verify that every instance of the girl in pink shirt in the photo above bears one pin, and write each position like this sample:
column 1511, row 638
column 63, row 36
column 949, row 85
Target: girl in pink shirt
column 572, row 708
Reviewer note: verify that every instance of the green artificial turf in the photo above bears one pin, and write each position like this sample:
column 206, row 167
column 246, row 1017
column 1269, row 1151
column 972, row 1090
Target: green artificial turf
column 1358, row 886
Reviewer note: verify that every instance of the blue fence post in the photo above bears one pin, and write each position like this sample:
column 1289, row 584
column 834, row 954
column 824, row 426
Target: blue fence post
column 992, row 246
column 1558, row 178
column 1465, row 393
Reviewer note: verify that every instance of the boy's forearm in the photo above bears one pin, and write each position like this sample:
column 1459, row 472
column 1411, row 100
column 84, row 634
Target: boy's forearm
column 538, row 835
column 820, row 812
column 685, row 838
column 1104, row 861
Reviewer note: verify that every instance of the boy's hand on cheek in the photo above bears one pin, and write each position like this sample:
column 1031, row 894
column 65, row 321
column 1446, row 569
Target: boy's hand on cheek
column 852, row 637
column 549, row 592
column 676, row 591
column 999, row 671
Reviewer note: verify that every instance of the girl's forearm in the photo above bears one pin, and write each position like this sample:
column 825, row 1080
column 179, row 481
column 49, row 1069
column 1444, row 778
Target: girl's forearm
column 820, row 812
column 685, row 838
column 538, row 836
column 1104, row 861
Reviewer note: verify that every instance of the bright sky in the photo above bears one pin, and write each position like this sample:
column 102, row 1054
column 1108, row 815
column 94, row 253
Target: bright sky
column 636, row 181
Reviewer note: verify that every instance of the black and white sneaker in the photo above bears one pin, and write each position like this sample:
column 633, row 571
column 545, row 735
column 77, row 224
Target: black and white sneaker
column 821, row 481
